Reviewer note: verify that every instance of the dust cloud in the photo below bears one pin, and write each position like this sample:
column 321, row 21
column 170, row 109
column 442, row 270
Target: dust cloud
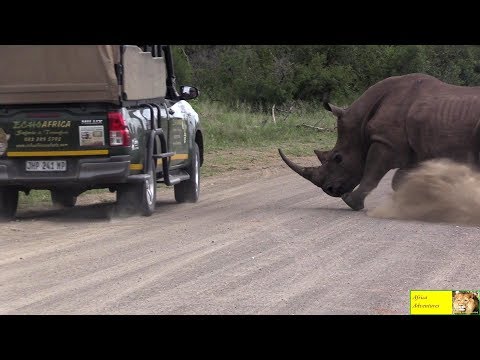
column 438, row 190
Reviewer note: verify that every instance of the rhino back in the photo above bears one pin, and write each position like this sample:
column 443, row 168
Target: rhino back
column 382, row 112
column 420, row 117
column 442, row 119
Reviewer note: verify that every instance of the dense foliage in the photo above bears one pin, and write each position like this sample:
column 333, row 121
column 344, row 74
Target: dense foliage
column 261, row 75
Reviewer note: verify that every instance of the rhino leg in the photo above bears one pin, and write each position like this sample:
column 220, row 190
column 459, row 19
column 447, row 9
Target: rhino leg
column 398, row 178
column 379, row 161
column 354, row 200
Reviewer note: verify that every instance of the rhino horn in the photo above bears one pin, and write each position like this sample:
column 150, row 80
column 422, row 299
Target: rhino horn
column 322, row 155
column 310, row 173
column 335, row 110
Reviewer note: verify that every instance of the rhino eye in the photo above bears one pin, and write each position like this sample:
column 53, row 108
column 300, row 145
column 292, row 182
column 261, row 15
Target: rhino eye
column 337, row 158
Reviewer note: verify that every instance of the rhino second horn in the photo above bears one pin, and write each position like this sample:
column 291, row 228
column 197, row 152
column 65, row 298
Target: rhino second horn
column 309, row 173
column 322, row 155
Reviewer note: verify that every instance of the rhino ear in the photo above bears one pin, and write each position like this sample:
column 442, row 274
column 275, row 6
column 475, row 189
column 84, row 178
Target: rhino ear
column 322, row 155
column 334, row 109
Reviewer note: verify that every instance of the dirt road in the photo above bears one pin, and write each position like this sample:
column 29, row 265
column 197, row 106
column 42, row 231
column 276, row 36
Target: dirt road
column 267, row 242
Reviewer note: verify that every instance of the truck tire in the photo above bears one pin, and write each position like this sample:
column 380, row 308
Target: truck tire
column 63, row 199
column 189, row 190
column 8, row 203
column 148, row 197
column 138, row 197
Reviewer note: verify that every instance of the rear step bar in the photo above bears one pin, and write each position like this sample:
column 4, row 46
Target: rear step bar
column 173, row 179
column 176, row 179
column 164, row 155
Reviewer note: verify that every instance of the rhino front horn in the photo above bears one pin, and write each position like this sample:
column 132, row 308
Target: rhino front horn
column 310, row 173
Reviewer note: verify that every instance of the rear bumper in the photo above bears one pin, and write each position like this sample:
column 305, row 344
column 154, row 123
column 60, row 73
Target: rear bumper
column 80, row 171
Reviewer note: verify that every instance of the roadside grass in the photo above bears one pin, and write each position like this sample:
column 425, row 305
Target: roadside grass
column 34, row 197
column 240, row 127
column 43, row 197
column 237, row 138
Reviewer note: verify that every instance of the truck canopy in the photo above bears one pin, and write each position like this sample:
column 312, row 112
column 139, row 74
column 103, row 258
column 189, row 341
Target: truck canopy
column 37, row 74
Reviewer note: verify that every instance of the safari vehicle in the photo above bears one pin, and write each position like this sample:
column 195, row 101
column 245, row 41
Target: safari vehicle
column 81, row 117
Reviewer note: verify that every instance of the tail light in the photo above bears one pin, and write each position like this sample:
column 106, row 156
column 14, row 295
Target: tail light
column 119, row 134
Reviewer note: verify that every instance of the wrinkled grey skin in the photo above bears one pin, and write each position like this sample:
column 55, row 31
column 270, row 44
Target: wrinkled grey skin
column 396, row 123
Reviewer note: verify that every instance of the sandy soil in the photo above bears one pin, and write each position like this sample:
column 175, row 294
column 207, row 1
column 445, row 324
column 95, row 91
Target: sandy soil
column 259, row 241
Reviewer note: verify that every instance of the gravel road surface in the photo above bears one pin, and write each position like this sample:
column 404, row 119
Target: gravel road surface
column 264, row 242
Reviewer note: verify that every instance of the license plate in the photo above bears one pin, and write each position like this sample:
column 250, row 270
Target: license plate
column 46, row 165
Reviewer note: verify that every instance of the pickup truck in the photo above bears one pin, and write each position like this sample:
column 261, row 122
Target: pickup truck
column 81, row 117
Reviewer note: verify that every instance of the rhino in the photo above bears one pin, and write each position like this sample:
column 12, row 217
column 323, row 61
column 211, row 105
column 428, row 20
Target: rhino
column 395, row 124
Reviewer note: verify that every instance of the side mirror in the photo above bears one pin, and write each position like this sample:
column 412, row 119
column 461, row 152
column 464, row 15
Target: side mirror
column 188, row 92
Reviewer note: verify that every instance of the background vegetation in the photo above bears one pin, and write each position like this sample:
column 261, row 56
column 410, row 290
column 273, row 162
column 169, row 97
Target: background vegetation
column 261, row 75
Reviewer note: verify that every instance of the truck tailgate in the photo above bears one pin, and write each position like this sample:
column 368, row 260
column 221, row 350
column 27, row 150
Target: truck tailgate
column 76, row 131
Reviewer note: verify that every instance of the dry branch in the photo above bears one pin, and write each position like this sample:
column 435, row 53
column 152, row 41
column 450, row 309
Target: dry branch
column 316, row 128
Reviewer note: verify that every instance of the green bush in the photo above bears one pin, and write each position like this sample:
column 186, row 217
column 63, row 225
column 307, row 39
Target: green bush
column 264, row 75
